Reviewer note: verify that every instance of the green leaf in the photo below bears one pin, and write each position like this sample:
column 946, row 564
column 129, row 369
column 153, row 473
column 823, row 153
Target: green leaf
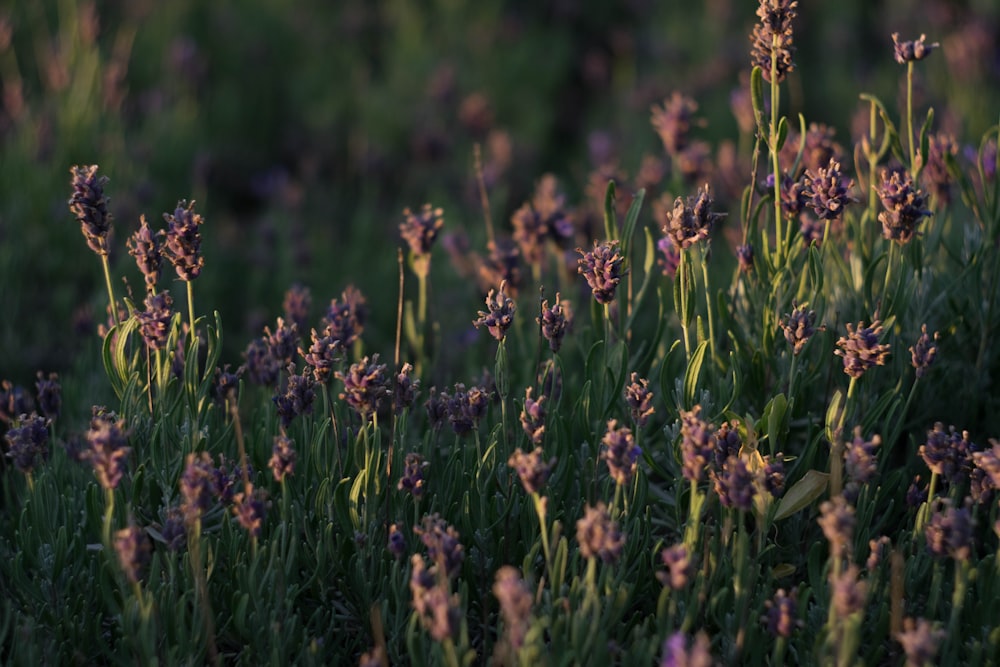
column 630, row 221
column 924, row 142
column 777, row 421
column 782, row 133
column 610, row 223
column 757, row 97
column 833, row 413
column 802, row 494
column 692, row 373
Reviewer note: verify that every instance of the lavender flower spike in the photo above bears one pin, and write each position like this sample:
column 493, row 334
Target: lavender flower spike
column 500, row 313
column 146, row 247
column 90, row 207
column 183, row 244
column 772, row 39
column 905, row 206
column 531, row 468
column 132, row 547
column 602, row 268
column 912, row 50
column 620, row 452
column 861, row 350
column 598, row 535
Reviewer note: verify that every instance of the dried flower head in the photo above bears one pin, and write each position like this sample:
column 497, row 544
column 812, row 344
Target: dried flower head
column 681, row 651
column 771, row 40
column 107, row 448
column 691, row 221
column 406, row 388
column 602, row 268
column 413, row 481
column 365, row 386
column 515, row 600
column 132, row 547
column 861, row 350
column 283, row 341
column 296, row 305
column 420, row 230
column 154, row 321
column 673, row 122
column 532, row 468
column 183, row 240
column 827, row 191
column 639, row 398
column 781, row 614
column 297, row 399
column 49, row 393
column 920, row 640
column 250, row 508
column 949, row 531
column 324, row 351
column 533, row 417
column 145, row 246
column 530, row 233
column 90, row 207
column 924, row 351
column 947, row 453
column 599, row 536
column 680, row 567
column 837, row 521
column 443, row 547
column 697, row 444
column 555, row 321
column 905, row 206
column 500, row 313
column 911, row 51
column 620, row 452
column 283, row 457
column 27, row 441
column 345, row 319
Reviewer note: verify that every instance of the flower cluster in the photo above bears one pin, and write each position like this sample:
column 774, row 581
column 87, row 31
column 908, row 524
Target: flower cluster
column 183, row 241
column 406, row 388
column 132, row 547
column 772, row 39
column 107, row 448
column 691, row 221
column 90, row 207
column 799, row 326
column 145, row 246
column 734, row 484
column 465, row 408
column 920, row 640
column 154, row 321
column 602, row 268
column 28, row 442
column 913, row 50
column 438, row 611
column 639, row 399
column 345, row 319
column 679, row 650
column 532, row 469
column 697, row 444
column 905, row 206
column 827, row 192
column 296, row 305
column 250, row 507
column 781, row 614
column 297, row 399
column 555, row 321
column 49, row 393
column 924, row 351
column 515, row 600
column 413, row 481
column 620, row 452
column 948, row 453
column 420, row 230
column 283, row 457
column 949, row 532
column 500, row 313
column 599, row 536
column 680, row 567
column 673, row 122
column 441, row 541
column 861, row 350
column 837, row 521
column 533, row 417
column 860, row 462
column 365, row 386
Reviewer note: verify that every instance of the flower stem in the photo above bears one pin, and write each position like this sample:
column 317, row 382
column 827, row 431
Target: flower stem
column 111, row 291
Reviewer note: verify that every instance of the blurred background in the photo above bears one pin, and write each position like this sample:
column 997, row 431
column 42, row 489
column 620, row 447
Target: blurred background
column 304, row 128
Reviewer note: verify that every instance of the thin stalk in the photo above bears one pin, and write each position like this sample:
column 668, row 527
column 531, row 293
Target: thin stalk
column 909, row 116
column 540, row 511
column 775, row 163
column 111, row 290
column 190, row 299
column 682, row 271
column 109, row 511
column 709, row 309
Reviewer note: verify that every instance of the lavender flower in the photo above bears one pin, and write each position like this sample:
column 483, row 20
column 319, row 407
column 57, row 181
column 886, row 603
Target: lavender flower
column 989, row 462
column 502, row 265
column 27, row 442
column 799, row 326
column 107, row 448
column 183, row 241
column 374, row 658
column 530, row 232
column 297, row 399
column 691, row 221
column 420, row 230
column 405, row 390
column 620, row 452
column 602, row 268
column 465, row 409
column 296, row 304
column 324, row 351
column 671, row 258
column 365, row 386
column 924, row 351
column 673, row 122
column 555, row 321
column 90, row 207
column 283, row 458
column 904, row 206
column 861, row 350
column 949, row 532
column 49, row 393
column 500, row 313
column 154, row 322
column 250, row 507
column 438, row 612
column 727, row 443
column 436, row 406
column 827, row 191
column 697, row 444
column 680, row 651
column 793, row 198
column 598, row 535
column 774, row 474
column 744, row 257
column 345, row 319
column 639, row 398
column 935, row 174
column 225, row 385
column 283, row 341
column 397, row 542
column 146, row 247
column 531, row 468
column 911, row 51
column 261, row 367
column 819, row 150
column 172, row 530
column 781, row 614
column 14, row 402
column 837, row 522
column 860, row 463
column 533, row 417
column 920, row 640
column 132, row 547
column 515, row 601
column 848, row 592
column 197, row 486
column 877, row 549
column 680, row 567
column 442, row 544
column 772, row 39
column 949, row 454
column 915, row 495
column 734, row 484
column 413, row 481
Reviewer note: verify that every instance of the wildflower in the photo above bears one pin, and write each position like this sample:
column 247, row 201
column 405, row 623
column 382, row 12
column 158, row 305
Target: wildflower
column 466, row 409
column 90, row 207
column 602, row 268
column 249, row 507
column 297, row 399
column 224, row 480
column 283, row 458
column 420, row 230
column 283, row 341
column 261, row 367
column 774, row 474
column 827, row 191
column 727, row 443
column 734, row 484
column 365, row 386
column 671, row 255
column 502, row 265
column 692, row 220
column 620, row 452
column 500, row 313
column 28, row 441
column 949, row 532
column 14, row 402
column 437, row 407
column 183, row 241
column 530, row 232
column 820, row 148
column 345, row 319
column 172, row 530
column 154, row 322
column 531, row 468
column 947, row 453
column 598, row 535
column 49, row 393
column 132, row 547
column 555, row 321
column 438, row 612
column 837, row 522
column 639, row 399
column 989, row 462
column 515, row 601
column 697, row 444
column 924, row 351
column 744, row 257
column 915, row 495
column 935, row 174
column 772, row 39
column 225, row 384
column 322, row 354
column 413, row 480
column 673, row 122
column 197, row 486
column 793, row 198
column 904, row 206
column 397, row 541
column 533, row 417
column 146, row 247
column 848, row 592
column 860, row 463
column 781, row 613
column 876, row 551
column 680, row 567
column 441, row 541
column 861, row 350
column 679, row 651
column 920, row 640
column 911, row 51
column 812, row 230
column 107, row 448
column 296, row 304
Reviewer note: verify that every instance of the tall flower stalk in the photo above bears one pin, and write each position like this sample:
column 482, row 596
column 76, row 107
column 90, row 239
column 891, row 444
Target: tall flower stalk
column 90, row 207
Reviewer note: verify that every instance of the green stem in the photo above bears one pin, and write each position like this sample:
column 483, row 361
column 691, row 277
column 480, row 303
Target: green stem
column 190, row 295
column 909, row 116
column 683, row 275
column 708, row 304
column 540, row 511
column 109, row 511
column 775, row 162
column 111, row 291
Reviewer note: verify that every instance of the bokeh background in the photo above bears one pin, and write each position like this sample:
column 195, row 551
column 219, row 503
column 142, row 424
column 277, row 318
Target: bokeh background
column 304, row 128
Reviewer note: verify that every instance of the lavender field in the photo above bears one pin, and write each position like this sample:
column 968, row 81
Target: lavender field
column 500, row 334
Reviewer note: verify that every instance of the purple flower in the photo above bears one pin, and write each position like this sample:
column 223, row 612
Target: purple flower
column 989, row 462
column 781, row 614
column 530, row 232
column 442, row 544
column 671, row 258
column 691, row 221
column 911, row 51
column 183, row 241
column 799, row 326
column 602, row 268
column 500, row 313
column 146, row 247
column 249, row 507
column 437, row 610
column 465, row 409
column 680, row 567
column 673, row 122
column 935, row 174
column 793, row 199
column 28, row 441
column 734, row 484
column 172, row 530
column 862, row 467
column 365, row 386
column 744, row 257
column 639, row 399
column 531, row 468
column 680, row 651
column 324, row 351
column 533, row 417
column 920, row 640
column 837, row 521
column 949, row 454
column 772, row 39
column 406, row 388
column 620, row 452
column 555, row 321
column 296, row 304
column 297, row 399
column 197, row 486
column 924, row 351
column 49, row 393
column 949, row 532
column 848, row 592
column 345, row 319
column 502, row 265
column 397, row 542
column 877, row 549
column 515, row 601
column 283, row 341
column 861, row 350
column 413, row 481
column 599, row 536
column 905, row 206
column 727, row 443
column 283, row 458
column 420, row 230
column 154, row 322
column 261, row 367
column 107, row 448
column 915, row 495
column 14, row 402
column 774, row 474
column 132, row 547
column 225, row 385
column 90, row 207
column 827, row 191
column 697, row 444
column 436, row 406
